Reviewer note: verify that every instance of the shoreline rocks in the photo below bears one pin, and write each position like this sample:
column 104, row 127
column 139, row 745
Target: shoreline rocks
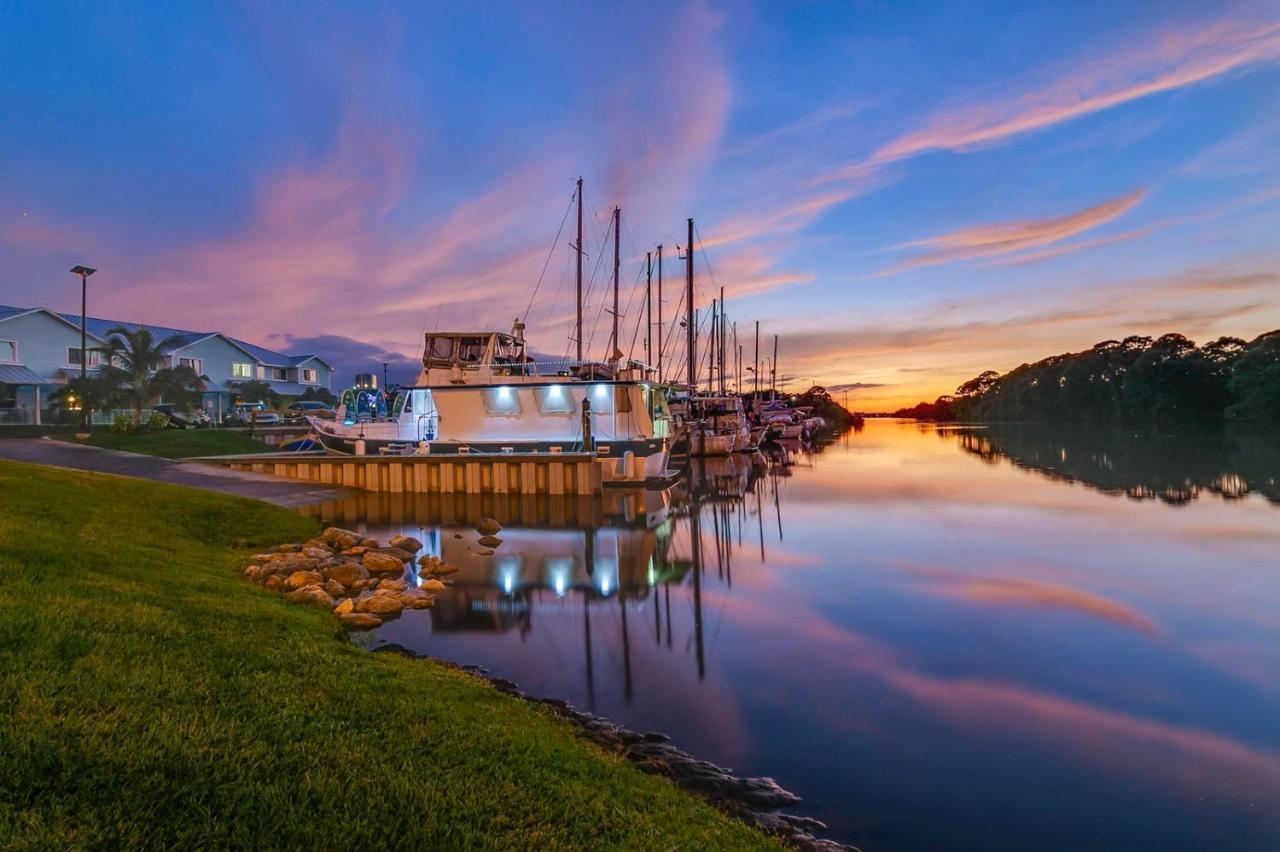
column 362, row 581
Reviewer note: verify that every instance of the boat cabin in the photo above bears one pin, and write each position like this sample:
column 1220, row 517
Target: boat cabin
column 489, row 352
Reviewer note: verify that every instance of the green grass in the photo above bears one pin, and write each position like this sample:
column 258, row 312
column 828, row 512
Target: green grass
column 150, row 697
column 179, row 443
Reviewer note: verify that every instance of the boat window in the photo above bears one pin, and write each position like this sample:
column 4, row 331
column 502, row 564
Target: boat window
column 503, row 401
column 601, row 397
column 554, row 399
column 399, row 404
column 470, row 350
column 440, row 348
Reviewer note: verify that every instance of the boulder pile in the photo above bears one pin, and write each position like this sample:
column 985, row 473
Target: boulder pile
column 362, row 581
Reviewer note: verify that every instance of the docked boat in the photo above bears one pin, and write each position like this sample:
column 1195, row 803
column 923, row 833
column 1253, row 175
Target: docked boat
column 480, row 392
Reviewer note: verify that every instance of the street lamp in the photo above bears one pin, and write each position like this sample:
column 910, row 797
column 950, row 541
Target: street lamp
column 84, row 272
column 384, row 375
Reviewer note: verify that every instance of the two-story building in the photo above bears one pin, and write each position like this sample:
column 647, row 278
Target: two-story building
column 40, row 351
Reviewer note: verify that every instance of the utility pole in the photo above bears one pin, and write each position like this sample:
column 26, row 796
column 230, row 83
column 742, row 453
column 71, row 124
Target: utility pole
column 648, row 307
column 578, row 251
column 614, row 351
column 690, row 331
column 84, row 272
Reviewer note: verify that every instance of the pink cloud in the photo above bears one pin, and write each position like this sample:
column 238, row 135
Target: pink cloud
column 1006, row 237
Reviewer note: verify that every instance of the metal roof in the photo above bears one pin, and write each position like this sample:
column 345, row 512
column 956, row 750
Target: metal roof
column 15, row 374
column 99, row 328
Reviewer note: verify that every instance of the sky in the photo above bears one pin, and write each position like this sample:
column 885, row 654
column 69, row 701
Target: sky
column 906, row 194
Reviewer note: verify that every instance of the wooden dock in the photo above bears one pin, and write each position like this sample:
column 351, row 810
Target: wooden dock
column 556, row 474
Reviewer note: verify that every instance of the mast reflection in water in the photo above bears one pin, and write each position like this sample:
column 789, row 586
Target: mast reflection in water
column 953, row 637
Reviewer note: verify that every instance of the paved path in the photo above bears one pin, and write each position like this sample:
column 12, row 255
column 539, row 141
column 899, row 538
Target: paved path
column 282, row 492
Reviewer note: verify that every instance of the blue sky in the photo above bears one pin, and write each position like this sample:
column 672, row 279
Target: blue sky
column 907, row 194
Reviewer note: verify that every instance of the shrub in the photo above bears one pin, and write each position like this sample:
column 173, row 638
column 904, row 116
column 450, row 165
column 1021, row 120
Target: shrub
column 157, row 421
column 121, row 423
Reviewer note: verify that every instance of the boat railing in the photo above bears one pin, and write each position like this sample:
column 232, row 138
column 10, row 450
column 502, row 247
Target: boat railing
column 567, row 368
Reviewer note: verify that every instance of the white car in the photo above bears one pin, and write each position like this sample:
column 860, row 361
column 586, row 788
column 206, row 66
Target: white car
column 244, row 414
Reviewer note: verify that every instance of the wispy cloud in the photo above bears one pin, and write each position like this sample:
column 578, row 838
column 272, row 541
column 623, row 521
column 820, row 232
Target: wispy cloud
column 1006, row 237
column 1170, row 60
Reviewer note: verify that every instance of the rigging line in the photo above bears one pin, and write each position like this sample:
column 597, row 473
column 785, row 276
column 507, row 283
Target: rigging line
column 630, row 301
column 668, row 345
column 550, row 252
column 591, row 288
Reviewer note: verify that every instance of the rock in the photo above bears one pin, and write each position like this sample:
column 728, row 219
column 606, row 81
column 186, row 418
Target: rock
column 339, row 538
column 359, row 620
column 316, row 543
column 361, row 585
column 346, row 573
column 433, row 585
column 286, row 548
column 380, row 603
column 406, row 543
column 371, row 543
column 358, row 550
column 317, row 552
column 334, row 588
column 345, row 605
column 310, row 596
column 383, row 563
column 402, row 555
column 416, row 599
column 484, row 553
column 298, row 579
column 259, row 558
column 444, row 569
column 488, row 526
column 490, row 540
column 393, row 585
column 457, row 535
column 273, row 582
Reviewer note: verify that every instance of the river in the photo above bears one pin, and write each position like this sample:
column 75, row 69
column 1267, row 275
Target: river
column 939, row 637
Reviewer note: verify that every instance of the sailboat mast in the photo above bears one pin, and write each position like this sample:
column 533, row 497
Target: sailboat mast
column 757, row 367
column 648, row 307
column 691, row 345
column 720, row 340
column 578, row 251
column 660, row 325
column 614, row 351
column 773, row 372
column 711, row 348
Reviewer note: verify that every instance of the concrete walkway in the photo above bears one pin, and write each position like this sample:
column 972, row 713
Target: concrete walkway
column 282, row 492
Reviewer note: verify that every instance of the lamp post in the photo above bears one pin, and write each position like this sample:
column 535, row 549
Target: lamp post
column 384, row 375
column 84, row 272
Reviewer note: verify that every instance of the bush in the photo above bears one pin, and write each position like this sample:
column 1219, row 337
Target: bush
column 157, row 421
column 121, row 423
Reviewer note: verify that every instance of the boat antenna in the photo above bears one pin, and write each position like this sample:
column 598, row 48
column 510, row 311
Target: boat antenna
column 578, row 252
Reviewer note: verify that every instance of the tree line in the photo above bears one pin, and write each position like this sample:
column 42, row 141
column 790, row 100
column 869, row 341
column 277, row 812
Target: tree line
column 1163, row 379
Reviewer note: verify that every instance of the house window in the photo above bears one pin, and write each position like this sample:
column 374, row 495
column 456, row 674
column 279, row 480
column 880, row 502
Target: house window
column 8, row 350
column 309, row 376
column 92, row 358
column 279, row 374
column 241, row 371
column 196, row 364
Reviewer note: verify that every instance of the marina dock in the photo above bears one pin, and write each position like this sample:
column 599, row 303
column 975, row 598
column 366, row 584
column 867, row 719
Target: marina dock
column 490, row 473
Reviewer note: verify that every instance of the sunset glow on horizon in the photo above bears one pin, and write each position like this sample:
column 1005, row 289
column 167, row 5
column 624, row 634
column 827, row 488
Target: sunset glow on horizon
column 906, row 195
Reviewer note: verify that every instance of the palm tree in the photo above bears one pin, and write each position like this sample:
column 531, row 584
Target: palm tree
column 99, row 391
column 140, row 363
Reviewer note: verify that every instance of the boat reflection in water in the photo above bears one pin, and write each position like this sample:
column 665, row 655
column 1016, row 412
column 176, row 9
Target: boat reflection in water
column 586, row 579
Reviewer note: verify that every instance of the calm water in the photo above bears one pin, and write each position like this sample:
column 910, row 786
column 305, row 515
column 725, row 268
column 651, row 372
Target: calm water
column 941, row 638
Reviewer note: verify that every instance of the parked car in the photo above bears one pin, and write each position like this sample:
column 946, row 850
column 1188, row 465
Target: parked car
column 182, row 418
column 314, row 408
column 247, row 413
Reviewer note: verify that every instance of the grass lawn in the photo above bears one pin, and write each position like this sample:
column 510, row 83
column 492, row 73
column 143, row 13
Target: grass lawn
column 151, row 697
column 36, row 431
column 179, row 443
